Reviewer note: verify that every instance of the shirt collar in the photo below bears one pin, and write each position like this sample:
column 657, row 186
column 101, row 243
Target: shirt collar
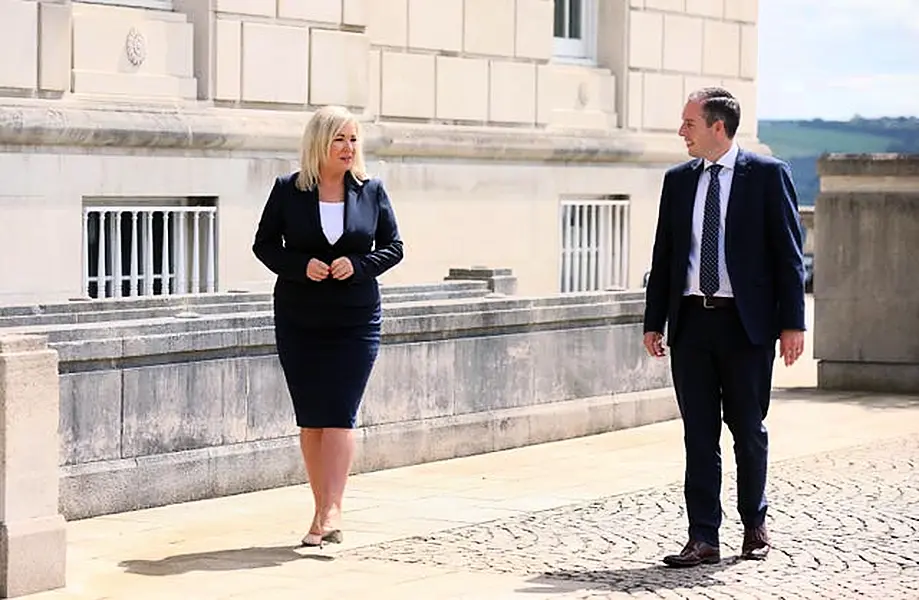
column 728, row 160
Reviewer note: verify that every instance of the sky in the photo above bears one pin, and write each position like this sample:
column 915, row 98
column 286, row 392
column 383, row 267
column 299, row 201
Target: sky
column 832, row 59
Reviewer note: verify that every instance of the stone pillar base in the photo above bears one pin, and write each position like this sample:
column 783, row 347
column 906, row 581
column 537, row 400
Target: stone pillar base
column 891, row 378
column 32, row 556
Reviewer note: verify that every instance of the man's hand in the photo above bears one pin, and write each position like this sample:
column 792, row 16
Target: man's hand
column 654, row 344
column 342, row 268
column 791, row 345
column 317, row 270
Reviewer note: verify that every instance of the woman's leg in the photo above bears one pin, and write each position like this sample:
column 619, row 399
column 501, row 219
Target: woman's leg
column 337, row 456
column 311, row 446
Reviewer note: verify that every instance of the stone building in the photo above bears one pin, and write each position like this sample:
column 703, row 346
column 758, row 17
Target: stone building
column 139, row 138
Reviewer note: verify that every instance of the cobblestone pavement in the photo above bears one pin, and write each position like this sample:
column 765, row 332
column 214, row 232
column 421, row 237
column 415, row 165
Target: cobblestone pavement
column 844, row 525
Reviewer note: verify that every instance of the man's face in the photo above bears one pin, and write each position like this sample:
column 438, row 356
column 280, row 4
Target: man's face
column 700, row 139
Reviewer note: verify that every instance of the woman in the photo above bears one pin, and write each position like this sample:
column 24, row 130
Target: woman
column 328, row 231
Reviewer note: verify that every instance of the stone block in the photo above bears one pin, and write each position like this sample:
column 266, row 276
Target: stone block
column 32, row 534
column 682, row 44
column 500, row 281
column 745, row 91
column 408, row 87
column 534, row 21
column 354, row 12
column 667, row 5
column 19, row 38
column 183, row 406
column 462, row 88
column 374, row 60
column 646, row 40
column 663, row 101
column 322, row 11
column 270, row 413
column 339, row 68
column 635, row 100
column 55, row 47
column 387, row 22
column 707, row 8
column 488, row 27
column 693, row 83
column 265, row 46
column 721, row 53
column 749, row 51
column 574, row 97
column 513, row 92
column 33, row 556
column 228, row 58
column 259, row 8
column 742, row 10
column 90, row 431
column 411, row 382
column 127, row 51
column 435, row 24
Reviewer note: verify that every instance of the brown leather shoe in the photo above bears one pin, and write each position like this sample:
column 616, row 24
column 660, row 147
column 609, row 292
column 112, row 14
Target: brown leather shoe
column 694, row 553
column 756, row 543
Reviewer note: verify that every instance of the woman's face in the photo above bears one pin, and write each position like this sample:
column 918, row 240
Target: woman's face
column 344, row 145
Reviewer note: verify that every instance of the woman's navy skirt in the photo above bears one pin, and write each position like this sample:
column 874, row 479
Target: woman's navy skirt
column 326, row 370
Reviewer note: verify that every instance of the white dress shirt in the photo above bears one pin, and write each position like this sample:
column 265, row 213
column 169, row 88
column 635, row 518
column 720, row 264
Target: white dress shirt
column 725, row 177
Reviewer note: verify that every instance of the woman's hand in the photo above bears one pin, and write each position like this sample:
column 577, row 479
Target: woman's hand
column 317, row 270
column 342, row 268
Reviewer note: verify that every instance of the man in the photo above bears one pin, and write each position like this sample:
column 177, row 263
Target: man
column 727, row 278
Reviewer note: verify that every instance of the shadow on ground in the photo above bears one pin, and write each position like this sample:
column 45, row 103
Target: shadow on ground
column 649, row 578
column 236, row 559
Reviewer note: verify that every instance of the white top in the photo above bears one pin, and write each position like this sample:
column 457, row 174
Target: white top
column 725, row 177
column 332, row 216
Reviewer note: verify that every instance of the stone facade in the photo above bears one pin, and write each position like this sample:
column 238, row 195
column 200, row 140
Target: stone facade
column 481, row 122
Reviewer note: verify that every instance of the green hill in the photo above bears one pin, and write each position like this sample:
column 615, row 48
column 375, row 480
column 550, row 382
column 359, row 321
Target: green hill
column 801, row 143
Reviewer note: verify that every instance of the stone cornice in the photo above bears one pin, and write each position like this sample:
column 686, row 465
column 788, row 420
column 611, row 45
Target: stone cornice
column 195, row 127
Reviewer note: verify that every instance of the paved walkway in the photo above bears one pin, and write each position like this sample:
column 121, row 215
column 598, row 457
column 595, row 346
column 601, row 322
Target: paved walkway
column 580, row 519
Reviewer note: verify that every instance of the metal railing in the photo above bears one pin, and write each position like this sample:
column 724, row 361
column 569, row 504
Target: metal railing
column 144, row 251
column 595, row 245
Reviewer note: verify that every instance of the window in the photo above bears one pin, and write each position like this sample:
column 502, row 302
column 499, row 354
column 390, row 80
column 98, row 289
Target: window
column 595, row 242
column 575, row 29
column 134, row 249
column 152, row 4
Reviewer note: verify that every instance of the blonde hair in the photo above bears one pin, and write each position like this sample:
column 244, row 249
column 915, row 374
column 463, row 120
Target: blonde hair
column 318, row 135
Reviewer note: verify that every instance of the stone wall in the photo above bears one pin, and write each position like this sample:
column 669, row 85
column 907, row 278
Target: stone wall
column 171, row 399
column 865, row 288
column 476, row 124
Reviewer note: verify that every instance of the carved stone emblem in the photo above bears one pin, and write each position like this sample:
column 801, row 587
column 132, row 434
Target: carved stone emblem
column 136, row 47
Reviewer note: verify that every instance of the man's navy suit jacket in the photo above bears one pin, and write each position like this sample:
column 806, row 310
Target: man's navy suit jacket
column 762, row 247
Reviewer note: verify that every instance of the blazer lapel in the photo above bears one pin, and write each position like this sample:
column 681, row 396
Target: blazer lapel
column 352, row 190
column 735, row 199
column 685, row 205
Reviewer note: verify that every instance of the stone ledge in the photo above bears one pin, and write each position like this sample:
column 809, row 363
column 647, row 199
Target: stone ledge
column 193, row 126
column 868, row 165
column 123, row 485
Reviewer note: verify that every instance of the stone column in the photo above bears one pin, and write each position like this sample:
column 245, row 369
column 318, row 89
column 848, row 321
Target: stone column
column 865, row 289
column 32, row 532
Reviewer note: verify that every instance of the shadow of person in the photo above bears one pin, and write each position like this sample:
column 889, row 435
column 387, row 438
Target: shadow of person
column 630, row 579
column 219, row 560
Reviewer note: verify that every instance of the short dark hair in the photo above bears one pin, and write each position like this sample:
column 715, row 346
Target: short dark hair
column 718, row 104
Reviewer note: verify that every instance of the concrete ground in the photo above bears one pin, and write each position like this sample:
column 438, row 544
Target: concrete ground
column 583, row 518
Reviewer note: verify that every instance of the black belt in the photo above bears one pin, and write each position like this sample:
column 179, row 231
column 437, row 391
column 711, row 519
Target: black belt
column 709, row 301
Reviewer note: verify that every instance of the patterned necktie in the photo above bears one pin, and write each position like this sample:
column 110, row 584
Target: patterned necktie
column 709, row 281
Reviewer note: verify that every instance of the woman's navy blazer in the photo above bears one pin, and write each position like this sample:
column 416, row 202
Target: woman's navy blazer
column 290, row 234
